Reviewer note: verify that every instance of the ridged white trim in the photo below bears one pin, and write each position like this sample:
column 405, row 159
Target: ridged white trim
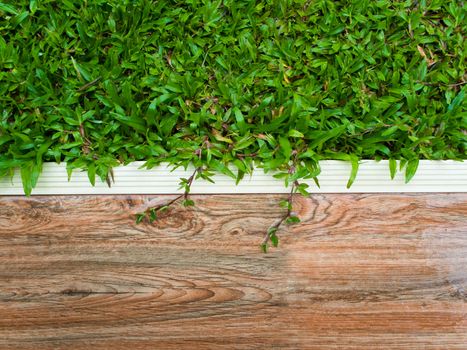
column 431, row 176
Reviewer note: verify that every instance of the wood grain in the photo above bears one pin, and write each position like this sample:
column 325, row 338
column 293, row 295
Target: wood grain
column 370, row 271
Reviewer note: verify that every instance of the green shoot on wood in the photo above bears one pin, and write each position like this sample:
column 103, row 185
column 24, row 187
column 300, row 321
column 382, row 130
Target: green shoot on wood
column 151, row 214
column 289, row 217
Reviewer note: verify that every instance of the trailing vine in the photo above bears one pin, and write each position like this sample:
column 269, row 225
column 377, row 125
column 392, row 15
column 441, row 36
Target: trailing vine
column 289, row 217
column 151, row 213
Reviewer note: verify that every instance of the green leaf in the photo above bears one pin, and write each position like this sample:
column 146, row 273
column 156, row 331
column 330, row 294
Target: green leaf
column 295, row 133
column 29, row 175
column 302, row 189
column 33, row 6
column 134, row 122
column 392, row 168
column 411, row 169
column 240, row 120
column 315, row 179
column 272, row 230
column 353, row 173
column 26, row 178
column 390, row 131
column 8, row 8
column 92, row 173
column 217, row 165
column 285, row 146
column 152, row 215
column 320, row 137
column 188, row 203
column 81, row 71
column 352, row 158
column 456, row 102
column 140, row 217
column 166, row 125
column 292, row 220
column 274, row 240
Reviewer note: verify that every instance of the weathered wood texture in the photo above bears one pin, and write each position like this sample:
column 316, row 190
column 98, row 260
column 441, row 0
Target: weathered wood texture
column 380, row 271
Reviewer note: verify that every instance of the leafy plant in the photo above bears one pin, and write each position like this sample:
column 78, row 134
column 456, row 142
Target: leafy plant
column 222, row 83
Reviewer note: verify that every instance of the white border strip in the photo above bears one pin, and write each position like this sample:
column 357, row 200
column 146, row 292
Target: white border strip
column 372, row 177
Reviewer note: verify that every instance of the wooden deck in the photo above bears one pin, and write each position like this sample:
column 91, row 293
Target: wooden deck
column 379, row 271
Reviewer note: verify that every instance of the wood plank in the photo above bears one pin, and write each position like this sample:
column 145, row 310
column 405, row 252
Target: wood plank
column 362, row 271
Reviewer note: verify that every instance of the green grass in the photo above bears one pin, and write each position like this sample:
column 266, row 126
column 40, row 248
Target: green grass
column 280, row 84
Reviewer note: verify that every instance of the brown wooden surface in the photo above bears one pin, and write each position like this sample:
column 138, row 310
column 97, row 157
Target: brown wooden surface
column 370, row 271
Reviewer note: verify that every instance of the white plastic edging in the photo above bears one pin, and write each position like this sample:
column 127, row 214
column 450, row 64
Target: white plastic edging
column 372, row 177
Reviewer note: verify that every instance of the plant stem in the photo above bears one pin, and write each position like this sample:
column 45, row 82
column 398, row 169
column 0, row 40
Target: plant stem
column 184, row 195
column 285, row 216
column 190, row 181
column 88, row 85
